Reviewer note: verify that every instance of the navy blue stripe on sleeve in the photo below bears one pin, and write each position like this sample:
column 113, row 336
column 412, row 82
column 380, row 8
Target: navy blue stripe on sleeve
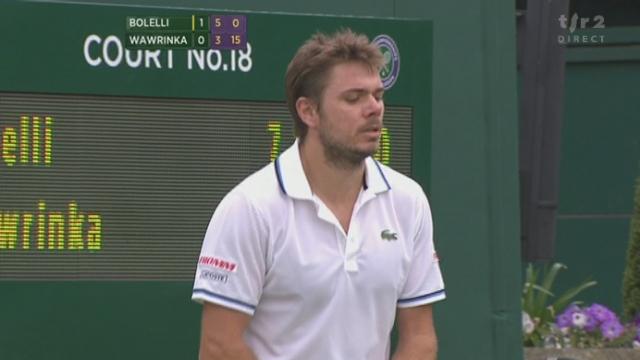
column 421, row 297
column 225, row 298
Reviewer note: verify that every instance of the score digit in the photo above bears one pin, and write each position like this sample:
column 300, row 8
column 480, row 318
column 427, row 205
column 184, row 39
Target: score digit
column 201, row 23
column 384, row 150
column 275, row 128
column 202, row 40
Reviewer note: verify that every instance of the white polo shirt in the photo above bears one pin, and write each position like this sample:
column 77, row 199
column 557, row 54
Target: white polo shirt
column 273, row 250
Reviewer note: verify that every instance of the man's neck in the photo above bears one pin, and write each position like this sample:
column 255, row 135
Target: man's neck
column 333, row 184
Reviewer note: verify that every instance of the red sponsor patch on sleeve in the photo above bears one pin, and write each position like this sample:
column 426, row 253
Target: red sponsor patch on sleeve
column 218, row 263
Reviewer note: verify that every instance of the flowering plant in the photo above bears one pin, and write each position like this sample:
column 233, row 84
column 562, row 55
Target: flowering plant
column 560, row 322
column 540, row 305
column 595, row 326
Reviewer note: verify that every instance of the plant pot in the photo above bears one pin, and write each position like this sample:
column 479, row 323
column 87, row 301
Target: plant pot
column 581, row 354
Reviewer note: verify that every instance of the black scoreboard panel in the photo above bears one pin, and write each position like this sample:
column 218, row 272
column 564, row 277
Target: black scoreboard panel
column 122, row 188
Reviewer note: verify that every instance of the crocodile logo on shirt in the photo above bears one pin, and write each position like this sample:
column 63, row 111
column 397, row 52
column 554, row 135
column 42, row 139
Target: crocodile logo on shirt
column 388, row 235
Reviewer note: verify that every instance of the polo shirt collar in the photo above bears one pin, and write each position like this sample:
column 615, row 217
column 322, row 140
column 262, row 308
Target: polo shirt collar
column 293, row 181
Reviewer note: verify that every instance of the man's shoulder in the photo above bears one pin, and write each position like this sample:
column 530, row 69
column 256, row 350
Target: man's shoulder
column 259, row 188
column 401, row 185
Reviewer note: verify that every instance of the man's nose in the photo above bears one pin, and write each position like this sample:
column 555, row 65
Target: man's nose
column 374, row 106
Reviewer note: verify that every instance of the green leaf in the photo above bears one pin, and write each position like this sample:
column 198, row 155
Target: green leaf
column 565, row 299
column 531, row 278
column 541, row 289
column 547, row 283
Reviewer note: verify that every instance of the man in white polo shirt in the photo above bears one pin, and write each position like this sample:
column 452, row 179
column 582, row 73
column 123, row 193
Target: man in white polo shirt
column 315, row 255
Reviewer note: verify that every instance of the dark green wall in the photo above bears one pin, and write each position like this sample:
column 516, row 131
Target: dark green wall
column 600, row 159
column 474, row 176
column 473, row 166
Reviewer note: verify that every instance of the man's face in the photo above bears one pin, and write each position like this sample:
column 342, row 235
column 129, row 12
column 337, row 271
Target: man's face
column 350, row 114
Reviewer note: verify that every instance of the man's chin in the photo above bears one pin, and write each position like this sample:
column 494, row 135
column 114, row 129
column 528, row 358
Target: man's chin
column 369, row 150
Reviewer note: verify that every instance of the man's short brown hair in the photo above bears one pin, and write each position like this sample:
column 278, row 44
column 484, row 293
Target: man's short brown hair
column 308, row 71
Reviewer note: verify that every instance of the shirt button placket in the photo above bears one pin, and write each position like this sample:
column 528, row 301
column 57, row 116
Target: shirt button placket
column 351, row 252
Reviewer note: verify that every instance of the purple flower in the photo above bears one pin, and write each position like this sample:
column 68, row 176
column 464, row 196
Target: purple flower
column 638, row 333
column 565, row 319
column 592, row 323
column 611, row 329
column 572, row 308
column 601, row 313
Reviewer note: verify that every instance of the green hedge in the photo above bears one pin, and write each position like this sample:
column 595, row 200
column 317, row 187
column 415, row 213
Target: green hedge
column 631, row 281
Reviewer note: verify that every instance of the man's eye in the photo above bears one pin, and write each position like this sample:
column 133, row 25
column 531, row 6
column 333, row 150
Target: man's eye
column 352, row 98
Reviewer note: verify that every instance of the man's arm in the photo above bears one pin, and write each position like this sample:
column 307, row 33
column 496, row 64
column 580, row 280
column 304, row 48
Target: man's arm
column 222, row 334
column 416, row 334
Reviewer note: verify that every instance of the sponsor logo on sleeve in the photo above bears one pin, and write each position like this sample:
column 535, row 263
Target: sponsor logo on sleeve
column 214, row 276
column 218, row 263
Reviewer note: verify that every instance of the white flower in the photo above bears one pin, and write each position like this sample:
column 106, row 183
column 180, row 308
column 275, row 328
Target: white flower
column 636, row 344
column 579, row 319
column 551, row 342
column 527, row 325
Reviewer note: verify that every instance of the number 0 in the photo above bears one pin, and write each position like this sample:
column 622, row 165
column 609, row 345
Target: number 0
column 235, row 22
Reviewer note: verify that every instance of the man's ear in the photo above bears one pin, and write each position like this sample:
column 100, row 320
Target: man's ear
column 307, row 111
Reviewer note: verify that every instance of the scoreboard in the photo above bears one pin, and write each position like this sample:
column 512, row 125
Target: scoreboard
column 103, row 187
column 122, row 130
column 195, row 31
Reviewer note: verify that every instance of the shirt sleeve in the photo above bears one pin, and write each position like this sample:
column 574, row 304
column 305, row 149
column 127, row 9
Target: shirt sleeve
column 424, row 284
column 231, row 266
